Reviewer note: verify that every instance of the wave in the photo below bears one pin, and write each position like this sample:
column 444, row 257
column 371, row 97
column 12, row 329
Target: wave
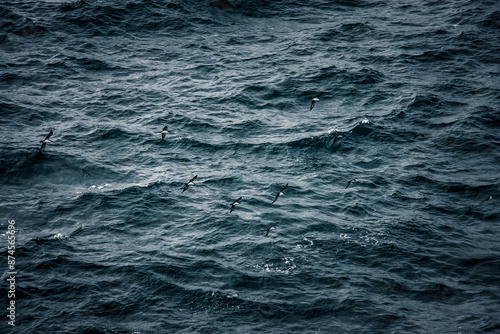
column 22, row 165
column 351, row 30
column 83, row 18
column 115, row 18
column 14, row 23
column 430, row 111
column 484, row 116
column 293, row 9
column 492, row 20
column 344, row 141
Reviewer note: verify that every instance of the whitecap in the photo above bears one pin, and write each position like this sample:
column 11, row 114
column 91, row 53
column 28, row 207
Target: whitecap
column 58, row 236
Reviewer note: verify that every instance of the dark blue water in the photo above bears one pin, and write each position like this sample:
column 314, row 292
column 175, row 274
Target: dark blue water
column 107, row 242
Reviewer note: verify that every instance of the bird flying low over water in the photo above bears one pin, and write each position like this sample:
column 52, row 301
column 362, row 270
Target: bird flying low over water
column 280, row 193
column 313, row 102
column 164, row 132
column 487, row 199
column 46, row 140
column 187, row 184
column 349, row 183
column 337, row 137
column 233, row 205
column 270, row 228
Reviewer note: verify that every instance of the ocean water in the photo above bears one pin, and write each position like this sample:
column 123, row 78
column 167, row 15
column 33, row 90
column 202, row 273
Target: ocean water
column 106, row 241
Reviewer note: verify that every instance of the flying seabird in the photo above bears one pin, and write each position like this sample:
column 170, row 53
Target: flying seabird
column 280, row 193
column 418, row 135
column 186, row 185
column 164, row 131
column 349, row 183
column 337, row 137
column 269, row 229
column 46, row 140
column 487, row 199
column 235, row 203
column 313, row 102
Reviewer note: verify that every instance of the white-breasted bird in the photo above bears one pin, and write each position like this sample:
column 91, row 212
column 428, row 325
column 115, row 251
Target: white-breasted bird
column 233, row 205
column 164, row 132
column 46, row 140
column 190, row 182
column 313, row 102
column 270, row 228
column 280, row 193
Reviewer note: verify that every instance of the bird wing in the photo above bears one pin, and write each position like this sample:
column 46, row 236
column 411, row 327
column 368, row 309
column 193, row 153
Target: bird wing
column 185, row 187
column 165, row 128
column 269, row 229
column 276, row 198
column 278, row 195
column 50, row 134
column 194, row 178
column 43, row 146
column 486, row 200
column 312, row 104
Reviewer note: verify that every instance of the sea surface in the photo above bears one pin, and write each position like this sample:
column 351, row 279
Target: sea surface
column 106, row 241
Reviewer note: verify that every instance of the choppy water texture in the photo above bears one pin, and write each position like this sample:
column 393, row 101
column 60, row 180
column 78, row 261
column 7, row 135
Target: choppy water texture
column 107, row 242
